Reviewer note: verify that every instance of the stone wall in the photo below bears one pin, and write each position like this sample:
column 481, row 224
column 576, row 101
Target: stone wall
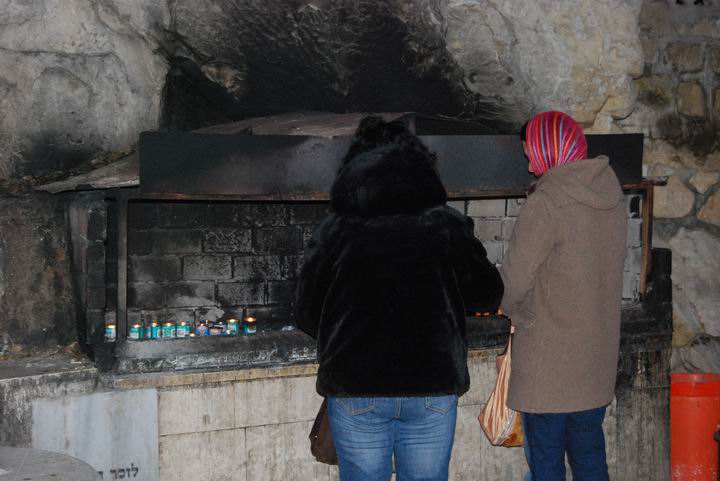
column 253, row 424
column 37, row 299
column 678, row 110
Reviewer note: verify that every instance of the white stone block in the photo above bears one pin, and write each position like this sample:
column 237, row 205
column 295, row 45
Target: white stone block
column 507, row 228
column 514, row 206
column 281, row 452
column 631, row 286
column 633, row 205
column 611, row 437
column 488, row 229
column 634, row 233
column 482, row 378
column 696, row 283
column 458, row 205
column 275, row 401
column 207, row 456
column 110, row 431
column 633, row 260
column 193, row 410
column 486, row 208
column 494, row 251
column 473, row 457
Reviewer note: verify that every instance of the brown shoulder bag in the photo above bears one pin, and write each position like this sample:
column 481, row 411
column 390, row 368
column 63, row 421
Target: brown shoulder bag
column 321, row 441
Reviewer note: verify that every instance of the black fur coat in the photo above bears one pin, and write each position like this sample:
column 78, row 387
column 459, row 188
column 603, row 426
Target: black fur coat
column 387, row 279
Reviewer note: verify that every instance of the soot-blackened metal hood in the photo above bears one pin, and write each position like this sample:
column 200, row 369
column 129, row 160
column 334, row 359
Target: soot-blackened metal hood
column 296, row 156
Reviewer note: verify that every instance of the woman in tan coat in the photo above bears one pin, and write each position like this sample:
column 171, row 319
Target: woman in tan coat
column 563, row 289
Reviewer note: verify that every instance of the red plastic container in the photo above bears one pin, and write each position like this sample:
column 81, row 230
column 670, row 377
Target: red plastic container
column 694, row 420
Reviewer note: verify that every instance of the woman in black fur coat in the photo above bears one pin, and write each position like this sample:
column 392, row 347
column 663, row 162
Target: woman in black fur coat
column 387, row 279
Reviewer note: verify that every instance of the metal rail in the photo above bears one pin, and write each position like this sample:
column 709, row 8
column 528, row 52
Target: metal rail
column 122, row 198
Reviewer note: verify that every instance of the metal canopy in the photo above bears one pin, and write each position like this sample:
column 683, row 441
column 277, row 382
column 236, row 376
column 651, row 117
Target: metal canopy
column 294, row 156
column 121, row 173
column 297, row 167
column 125, row 172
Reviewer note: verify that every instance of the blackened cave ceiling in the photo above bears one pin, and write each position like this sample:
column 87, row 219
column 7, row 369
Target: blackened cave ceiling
column 241, row 59
column 80, row 80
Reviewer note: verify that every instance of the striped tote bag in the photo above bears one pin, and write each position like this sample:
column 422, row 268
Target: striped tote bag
column 501, row 425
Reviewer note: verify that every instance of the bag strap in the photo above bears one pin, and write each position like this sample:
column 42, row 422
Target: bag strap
column 508, row 348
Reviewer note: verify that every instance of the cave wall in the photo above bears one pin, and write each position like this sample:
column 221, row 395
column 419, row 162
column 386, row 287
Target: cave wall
column 37, row 303
column 76, row 78
column 80, row 80
column 490, row 61
column 678, row 110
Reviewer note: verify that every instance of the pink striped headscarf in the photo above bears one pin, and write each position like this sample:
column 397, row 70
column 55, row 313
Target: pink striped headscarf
column 552, row 139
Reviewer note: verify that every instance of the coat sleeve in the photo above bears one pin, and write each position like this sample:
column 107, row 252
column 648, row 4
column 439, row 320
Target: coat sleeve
column 314, row 279
column 480, row 282
column 530, row 245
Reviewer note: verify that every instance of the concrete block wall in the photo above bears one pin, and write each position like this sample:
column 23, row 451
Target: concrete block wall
column 633, row 249
column 495, row 218
column 194, row 261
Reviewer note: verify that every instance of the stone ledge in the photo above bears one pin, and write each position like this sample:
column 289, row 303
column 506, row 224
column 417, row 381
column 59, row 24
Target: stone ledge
column 162, row 380
column 42, row 366
column 166, row 380
column 37, row 379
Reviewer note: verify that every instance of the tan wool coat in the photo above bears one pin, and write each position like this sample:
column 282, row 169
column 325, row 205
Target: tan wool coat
column 563, row 290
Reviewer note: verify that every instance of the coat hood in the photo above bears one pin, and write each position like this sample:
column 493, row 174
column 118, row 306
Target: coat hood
column 589, row 181
column 388, row 180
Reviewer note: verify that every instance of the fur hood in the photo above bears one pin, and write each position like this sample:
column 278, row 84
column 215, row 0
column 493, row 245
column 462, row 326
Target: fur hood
column 388, row 275
column 388, row 180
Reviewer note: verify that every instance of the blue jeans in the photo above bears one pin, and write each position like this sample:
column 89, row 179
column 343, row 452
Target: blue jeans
column 549, row 436
column 368, row 431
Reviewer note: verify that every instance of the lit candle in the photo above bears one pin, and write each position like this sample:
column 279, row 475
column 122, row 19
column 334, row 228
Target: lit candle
column 249, row 327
